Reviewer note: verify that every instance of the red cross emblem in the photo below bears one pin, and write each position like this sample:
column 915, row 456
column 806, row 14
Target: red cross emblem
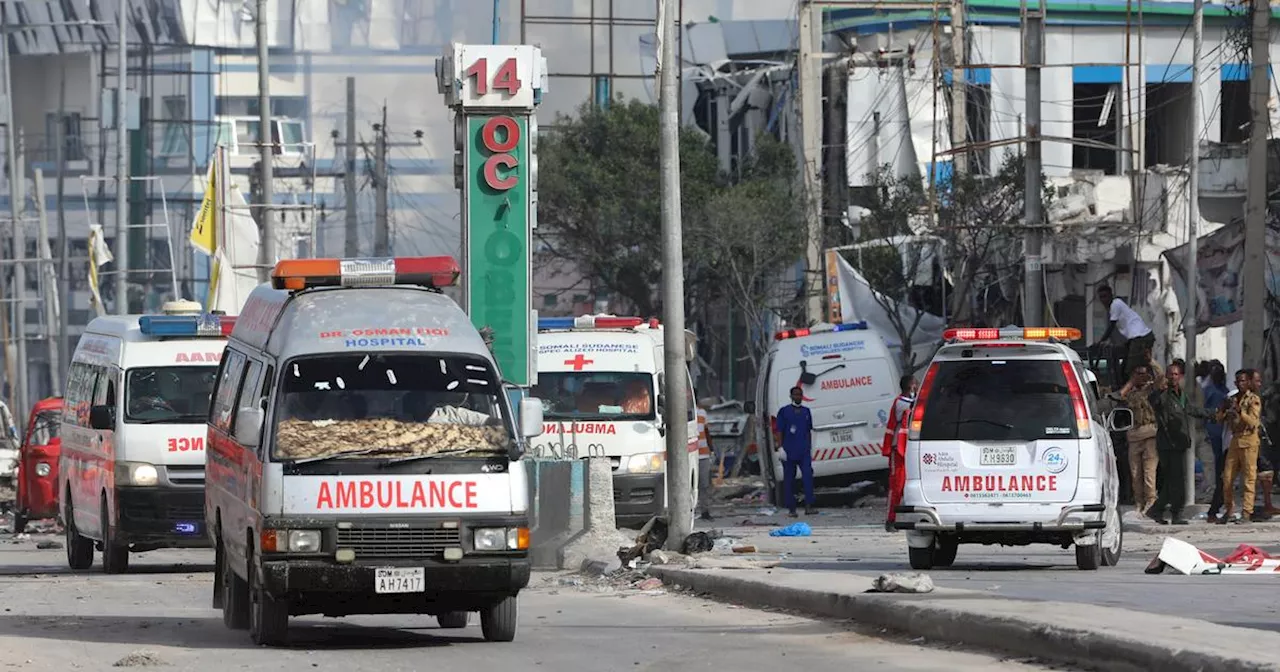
column 578, row 362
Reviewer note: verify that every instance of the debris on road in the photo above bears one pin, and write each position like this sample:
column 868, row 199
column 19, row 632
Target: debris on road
column 698, row 542
column 141, row 658
column 744, row 549
column 49, row 545
column 1188, row 560
column 793, row 530
column 902, row 583
column 651, row 537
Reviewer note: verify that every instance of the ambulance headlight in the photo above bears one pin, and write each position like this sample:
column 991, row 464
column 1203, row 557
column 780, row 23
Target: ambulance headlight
column 304, row 541
column 136, row 473
column 43, row 469
column 646, row 463
column 491, row 539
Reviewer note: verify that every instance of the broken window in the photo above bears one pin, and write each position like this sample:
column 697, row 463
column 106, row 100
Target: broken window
column 1235, row 113
column 1096, row 121
column 1168, row 136
column 389, row 406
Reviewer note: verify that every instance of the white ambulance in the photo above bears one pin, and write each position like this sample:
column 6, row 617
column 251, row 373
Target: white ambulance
column 600, row 379
column 849, row 380
column 1008, row 445
column 363, row 455
column 131, row 473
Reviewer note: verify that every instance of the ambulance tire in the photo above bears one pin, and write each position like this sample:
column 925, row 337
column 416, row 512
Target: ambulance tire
column 922, row 558
column 498, row 622
column 1111, row 557
column 79, row 549
column 452, row 620
column 944, row 555
column 218, row 561
column 268, row 617
column 115, row 557
column 1089, row 557
column 235, row 598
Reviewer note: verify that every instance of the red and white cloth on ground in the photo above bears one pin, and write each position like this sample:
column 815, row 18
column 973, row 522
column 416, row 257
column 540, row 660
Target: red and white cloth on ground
column 1189, row 560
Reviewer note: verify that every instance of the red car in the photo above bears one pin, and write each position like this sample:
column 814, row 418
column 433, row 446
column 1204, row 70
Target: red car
column 37, row 475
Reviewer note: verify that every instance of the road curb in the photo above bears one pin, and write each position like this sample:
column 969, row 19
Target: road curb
column 1110, row 638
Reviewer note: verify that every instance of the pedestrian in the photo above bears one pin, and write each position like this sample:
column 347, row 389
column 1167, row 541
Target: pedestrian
column 1143, row 456
column 894, row 445
column 1267, row 458
column 1215, row 397
column 1174, row 412
column 1139, row 340
column 794, row 432
column 1243, row 417
column 704, row 464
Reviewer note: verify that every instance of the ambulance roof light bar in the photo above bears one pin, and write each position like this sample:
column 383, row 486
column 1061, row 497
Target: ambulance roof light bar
column 591, row 322
column 821, row 329
column 298, row 274
column 190, row 326
column 1012, row 333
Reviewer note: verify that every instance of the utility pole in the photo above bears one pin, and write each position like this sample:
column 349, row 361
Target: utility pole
column 1033, row 49
column 52, row 299
column 959, row 89
column 382, row 231
column 497, row 20
column 266, row 223
column 1193, row 230
column 1255, row 207
column 679, row 480
column 122, row 161
column 352, row 248
column 64, row 245
column 809, row 62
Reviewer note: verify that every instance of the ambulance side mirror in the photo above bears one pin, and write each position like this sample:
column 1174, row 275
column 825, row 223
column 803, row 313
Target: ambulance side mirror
column 530, row 417
column 248, row 426
column 1120, row 420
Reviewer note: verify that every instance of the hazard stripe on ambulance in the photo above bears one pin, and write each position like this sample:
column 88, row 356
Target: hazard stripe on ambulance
column 846, row 452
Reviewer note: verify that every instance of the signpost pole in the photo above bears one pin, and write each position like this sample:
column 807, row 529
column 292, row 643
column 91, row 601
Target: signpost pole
column 494, row 91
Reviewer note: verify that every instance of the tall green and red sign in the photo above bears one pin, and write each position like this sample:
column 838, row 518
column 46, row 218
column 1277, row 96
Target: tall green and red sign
column 494, row 91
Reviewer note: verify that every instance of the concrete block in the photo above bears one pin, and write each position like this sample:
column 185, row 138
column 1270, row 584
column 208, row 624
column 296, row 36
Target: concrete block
column 600, row 539
column 556, row 488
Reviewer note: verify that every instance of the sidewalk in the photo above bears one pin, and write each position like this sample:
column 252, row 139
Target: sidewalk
column 1029, row 600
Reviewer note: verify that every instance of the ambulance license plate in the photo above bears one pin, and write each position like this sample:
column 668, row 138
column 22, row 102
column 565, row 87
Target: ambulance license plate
column 841, row 436
column 399, row 580
column 999, row 456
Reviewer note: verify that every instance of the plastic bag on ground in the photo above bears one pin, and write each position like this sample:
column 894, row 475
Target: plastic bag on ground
column 792, row 530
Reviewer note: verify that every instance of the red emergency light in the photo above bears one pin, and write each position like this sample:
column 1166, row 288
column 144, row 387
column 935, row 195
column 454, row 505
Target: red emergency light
column 593, row 322
column 1020, row 333
column 297, row 274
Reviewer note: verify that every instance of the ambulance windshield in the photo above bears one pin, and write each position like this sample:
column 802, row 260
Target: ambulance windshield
column 999, row 400
column 168, row 394
column 595, row 396
column 390, row 405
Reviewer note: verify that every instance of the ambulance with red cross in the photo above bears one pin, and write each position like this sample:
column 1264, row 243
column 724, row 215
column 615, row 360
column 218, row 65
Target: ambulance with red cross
column 1007, row 444
column 363, row 454
column 131, row 472
column 600, row 379
column 849, row 379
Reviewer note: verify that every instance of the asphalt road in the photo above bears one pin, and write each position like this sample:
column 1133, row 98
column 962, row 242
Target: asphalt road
column 158, row 614
column 854, row 540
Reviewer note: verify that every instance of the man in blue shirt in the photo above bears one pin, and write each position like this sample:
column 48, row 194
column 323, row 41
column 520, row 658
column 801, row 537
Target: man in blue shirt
column 794, row 432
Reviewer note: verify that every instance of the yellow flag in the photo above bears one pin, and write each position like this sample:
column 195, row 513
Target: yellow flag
column 204, row 233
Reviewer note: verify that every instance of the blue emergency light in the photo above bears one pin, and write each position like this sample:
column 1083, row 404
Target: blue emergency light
column 547, row 323
column 592, row 322
column 206, row 324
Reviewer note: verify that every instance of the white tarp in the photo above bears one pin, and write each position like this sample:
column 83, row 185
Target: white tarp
column 1220, row 267
column 851, row 299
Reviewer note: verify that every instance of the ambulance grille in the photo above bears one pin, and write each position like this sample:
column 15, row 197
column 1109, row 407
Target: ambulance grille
column 382, row 543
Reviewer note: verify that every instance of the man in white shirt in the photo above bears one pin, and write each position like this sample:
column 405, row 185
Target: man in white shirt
column 1121, row 318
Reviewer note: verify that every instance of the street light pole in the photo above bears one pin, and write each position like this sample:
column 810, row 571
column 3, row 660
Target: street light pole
column 266, row 138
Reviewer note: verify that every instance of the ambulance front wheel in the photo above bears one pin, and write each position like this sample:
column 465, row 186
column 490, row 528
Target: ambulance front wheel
column 498, row 622
column 79, row 549
column 268, row 617
column 1089, row 557
column 945, row 553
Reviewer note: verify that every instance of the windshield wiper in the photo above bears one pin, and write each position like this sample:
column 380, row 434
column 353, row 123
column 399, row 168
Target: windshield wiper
column 989, row 422
column 344, row 453
column 427, row 456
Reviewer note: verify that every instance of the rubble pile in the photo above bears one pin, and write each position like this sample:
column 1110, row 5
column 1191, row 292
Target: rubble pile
column 316, row 438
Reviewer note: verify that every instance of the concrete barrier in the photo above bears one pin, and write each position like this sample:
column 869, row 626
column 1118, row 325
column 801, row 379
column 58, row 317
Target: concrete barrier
column 571, row 512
